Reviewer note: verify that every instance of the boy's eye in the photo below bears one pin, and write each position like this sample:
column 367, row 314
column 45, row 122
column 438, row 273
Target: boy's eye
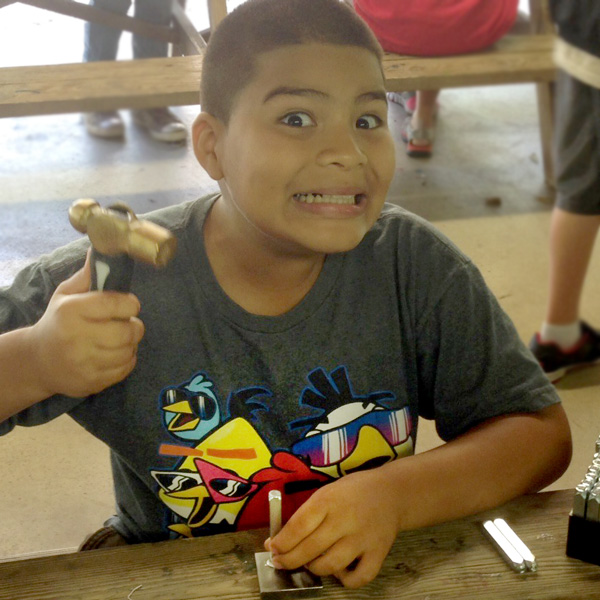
column 368, row 122
column 298, row 119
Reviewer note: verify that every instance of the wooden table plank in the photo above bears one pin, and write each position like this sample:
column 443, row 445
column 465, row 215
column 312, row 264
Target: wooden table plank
column 514, row 59
column 106, row 85
column 450, row 561
column 144, row 83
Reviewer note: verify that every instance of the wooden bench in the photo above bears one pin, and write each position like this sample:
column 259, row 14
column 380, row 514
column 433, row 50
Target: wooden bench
column 109, row 85
column 514, row 59
column 99, row 86
column 175, row 81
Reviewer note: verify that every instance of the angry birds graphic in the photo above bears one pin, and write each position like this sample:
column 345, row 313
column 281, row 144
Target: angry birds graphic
column 192, row 410
column 211, row 484
column 226, row 469
column 360, row 434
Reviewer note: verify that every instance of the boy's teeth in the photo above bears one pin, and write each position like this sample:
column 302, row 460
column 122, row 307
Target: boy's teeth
column 325, row 199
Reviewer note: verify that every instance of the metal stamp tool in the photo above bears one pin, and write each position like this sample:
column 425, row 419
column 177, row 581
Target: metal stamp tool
column 584, row 521
column 274, row 518
column 506, row 550
column 118, row 238
column 517, row 543
column 278, row 583
column 585, row 488
column 593, row 504
column 582, row 491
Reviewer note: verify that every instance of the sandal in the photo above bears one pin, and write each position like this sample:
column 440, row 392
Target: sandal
column 424, row 135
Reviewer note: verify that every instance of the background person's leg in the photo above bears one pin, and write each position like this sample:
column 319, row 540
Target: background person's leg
column 565, row 340
column 102, row 43
column 572, row 238
column 157, row 12
column 418, row 129
column 160, row 122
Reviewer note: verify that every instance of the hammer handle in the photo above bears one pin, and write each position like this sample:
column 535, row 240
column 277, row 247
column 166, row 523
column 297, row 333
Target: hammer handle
column 111, row 273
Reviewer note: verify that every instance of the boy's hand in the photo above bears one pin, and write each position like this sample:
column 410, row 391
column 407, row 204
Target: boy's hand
column 345, row 529
column 85, row 341
column 357, row 517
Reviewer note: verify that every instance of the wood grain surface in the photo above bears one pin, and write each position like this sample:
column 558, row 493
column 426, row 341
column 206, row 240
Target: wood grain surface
column 513, row 59
column 449, row 561
column 103, row 85
column 143, row 83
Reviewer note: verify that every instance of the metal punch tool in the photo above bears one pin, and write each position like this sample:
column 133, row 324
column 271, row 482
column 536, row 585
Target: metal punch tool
column 280, row 583
column 510, row 546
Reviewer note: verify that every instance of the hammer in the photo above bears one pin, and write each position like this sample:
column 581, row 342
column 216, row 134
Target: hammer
column 118, row 238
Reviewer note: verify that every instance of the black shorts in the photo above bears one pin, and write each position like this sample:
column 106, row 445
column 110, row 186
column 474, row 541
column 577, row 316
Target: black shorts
column 577, row 146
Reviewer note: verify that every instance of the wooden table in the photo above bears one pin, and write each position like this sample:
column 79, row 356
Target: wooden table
column 452, row 560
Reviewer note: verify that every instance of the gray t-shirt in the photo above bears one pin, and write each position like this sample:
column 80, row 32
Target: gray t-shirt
column 224, row 406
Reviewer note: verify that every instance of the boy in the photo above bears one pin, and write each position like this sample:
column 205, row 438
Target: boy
column 298, row 334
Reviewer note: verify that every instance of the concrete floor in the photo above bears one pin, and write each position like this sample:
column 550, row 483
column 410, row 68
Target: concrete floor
column 56, row 483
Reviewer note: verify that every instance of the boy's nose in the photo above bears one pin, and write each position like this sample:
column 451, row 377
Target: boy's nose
column 340, row 147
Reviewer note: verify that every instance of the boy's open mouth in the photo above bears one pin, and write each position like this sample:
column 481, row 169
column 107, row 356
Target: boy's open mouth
column 329, row 198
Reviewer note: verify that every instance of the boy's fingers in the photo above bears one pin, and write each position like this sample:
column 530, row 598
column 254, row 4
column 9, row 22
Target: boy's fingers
column 79, row 282
column 303, row 523
column 137, row 330
column 302, row 544
column 116, row 374
column 335, row 559
column 115, row 359
column 308, row 550
column 102, row 306
column 360, row 572
column 117, row 334
column 98, row 305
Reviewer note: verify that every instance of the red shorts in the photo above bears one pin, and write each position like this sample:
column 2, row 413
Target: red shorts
column 437, row 27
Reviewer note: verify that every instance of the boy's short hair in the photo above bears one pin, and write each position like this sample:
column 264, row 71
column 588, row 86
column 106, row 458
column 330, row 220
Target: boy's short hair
column 259, row 26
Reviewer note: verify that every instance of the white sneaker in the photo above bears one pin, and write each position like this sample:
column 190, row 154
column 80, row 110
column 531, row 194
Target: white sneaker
column 108, row 125
column 161, row 124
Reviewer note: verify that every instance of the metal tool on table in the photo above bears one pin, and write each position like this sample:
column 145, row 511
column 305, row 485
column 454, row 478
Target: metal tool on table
column 584, row 520
column 274, row 582
column 510, row 546
column 119, row 238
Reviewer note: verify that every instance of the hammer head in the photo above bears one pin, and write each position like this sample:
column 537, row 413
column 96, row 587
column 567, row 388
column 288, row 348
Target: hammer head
column 116, row 230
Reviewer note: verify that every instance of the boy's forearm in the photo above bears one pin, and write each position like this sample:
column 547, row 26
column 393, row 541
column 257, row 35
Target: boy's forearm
column 19, row 376
column 489, row 465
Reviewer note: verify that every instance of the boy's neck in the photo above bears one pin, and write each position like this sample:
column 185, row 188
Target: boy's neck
column 253, row 272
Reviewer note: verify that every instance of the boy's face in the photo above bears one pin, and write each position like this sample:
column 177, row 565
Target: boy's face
column 307, row 156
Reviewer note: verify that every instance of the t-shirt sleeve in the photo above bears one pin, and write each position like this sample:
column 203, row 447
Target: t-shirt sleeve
column 472, row 364
column 23, row 303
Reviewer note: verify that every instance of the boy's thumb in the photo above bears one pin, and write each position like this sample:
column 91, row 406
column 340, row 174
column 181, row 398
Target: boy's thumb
column 79, row 282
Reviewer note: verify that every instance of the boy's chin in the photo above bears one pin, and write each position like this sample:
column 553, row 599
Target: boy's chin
column 335, row 244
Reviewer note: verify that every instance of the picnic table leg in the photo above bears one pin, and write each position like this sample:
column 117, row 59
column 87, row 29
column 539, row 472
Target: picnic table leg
column 217, row 11
column 541, row 23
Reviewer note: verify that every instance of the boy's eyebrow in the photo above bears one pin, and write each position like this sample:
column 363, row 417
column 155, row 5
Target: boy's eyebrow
column 294, row 91
column 375, row 95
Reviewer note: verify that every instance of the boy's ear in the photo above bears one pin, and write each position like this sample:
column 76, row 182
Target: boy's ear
column 206, row 132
